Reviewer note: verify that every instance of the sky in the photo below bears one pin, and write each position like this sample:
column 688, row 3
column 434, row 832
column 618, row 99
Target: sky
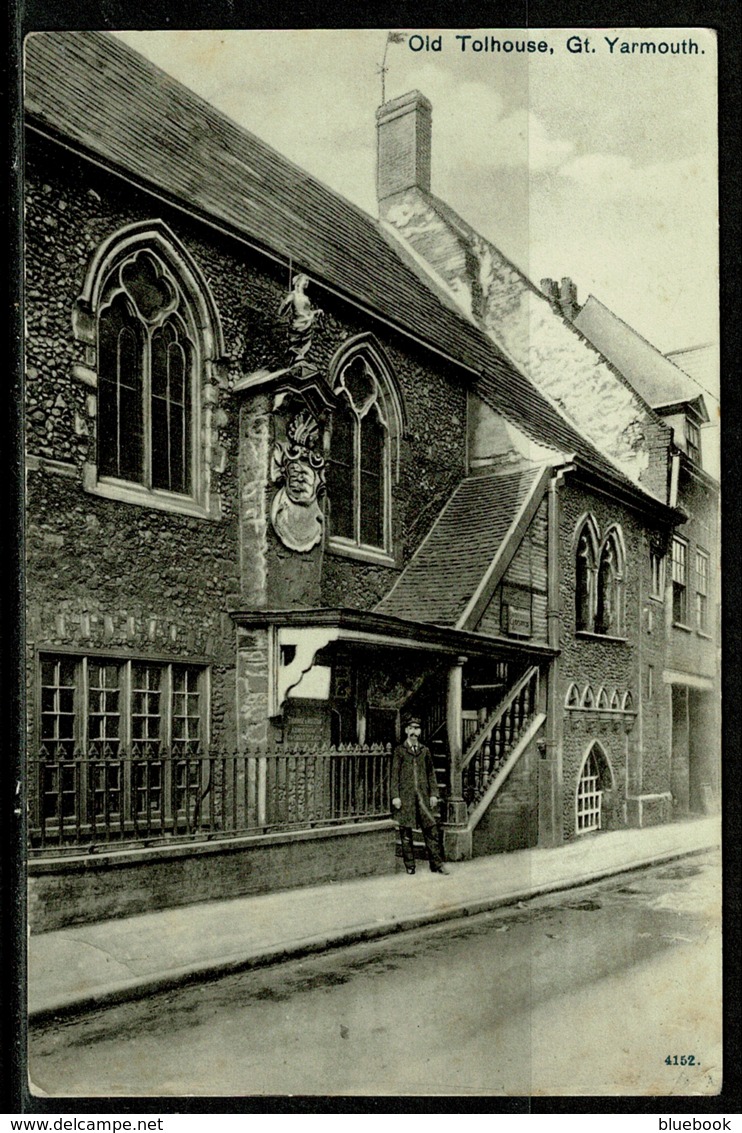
column 596, row 164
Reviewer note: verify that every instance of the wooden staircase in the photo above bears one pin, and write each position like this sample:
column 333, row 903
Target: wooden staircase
column 498, row 745
column 492, row 748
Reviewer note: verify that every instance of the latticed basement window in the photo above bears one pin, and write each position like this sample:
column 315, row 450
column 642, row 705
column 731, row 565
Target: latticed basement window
column 118, row 739
column 186, row 706
column 58, row 703
column 146, row 713
column 589, row 796
column 104, row 705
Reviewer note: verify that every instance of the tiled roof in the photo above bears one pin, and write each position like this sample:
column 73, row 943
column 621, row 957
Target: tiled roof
column 652, row 375
column 440, row 580
column 95, row 92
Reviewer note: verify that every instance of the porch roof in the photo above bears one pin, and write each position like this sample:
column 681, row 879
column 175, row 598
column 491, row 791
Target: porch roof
column 370, row 627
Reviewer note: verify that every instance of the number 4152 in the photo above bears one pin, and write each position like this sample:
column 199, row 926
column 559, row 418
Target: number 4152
column 680, row 1060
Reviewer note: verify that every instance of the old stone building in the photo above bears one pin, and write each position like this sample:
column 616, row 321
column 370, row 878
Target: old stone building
column 293, row 473
column 684, row 596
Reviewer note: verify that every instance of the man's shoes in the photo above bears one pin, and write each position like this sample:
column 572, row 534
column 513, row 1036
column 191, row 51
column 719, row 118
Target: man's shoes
column 442, row 869
column 410, row 868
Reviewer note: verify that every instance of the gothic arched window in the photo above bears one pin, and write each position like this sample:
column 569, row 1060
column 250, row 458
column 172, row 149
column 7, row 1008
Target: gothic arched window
column 152, row 336
column 365, row 423
column 608, row 612
column 585, row 567
column 146, row 353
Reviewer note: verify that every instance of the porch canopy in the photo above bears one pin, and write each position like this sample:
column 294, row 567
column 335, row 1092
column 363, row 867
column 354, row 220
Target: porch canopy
column 299, row 635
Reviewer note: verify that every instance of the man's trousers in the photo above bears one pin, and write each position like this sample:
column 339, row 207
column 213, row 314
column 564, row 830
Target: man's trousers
column 432, row 837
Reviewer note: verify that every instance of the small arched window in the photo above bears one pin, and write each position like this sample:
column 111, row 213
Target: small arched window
column 366, row 427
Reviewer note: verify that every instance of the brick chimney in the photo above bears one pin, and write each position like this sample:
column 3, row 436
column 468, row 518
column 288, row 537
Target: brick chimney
column 404, row 128
column 562, row 296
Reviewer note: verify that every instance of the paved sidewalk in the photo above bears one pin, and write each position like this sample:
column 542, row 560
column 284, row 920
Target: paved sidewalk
column 83, row 967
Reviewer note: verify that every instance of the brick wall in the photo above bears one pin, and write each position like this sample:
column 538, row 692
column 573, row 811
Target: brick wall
column 73, row 891
column 511, row 823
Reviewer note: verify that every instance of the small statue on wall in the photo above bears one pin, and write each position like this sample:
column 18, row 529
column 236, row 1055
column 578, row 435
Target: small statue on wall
column 298, row 465
column 303, row 317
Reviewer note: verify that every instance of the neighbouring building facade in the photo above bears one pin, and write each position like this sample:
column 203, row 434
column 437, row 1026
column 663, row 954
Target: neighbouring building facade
column 684, row 594
column 293, row 473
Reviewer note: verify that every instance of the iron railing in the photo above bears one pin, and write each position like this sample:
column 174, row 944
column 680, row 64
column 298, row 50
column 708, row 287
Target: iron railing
column 108, row 795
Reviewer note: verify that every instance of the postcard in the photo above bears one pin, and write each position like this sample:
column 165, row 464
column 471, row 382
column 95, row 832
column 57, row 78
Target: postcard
column 372, row 563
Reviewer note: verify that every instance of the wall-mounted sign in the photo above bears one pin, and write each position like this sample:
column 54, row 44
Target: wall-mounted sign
column 518, row 620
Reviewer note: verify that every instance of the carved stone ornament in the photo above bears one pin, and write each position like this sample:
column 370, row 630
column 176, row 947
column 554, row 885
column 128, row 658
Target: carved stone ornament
column 299, row 467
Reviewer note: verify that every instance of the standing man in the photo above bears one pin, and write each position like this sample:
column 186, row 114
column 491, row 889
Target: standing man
column 415, row 797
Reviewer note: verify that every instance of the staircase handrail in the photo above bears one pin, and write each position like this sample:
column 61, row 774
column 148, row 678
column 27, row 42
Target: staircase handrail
column 497, row 714
column 478, row 810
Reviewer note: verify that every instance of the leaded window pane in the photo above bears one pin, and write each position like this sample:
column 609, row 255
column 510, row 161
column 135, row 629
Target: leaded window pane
column 120, row 392
column 146, row 718
column 357, row 465
column 582, row 585
column 146, row 371
column 679, row 582
column 104, row 716
column 372, row 481
column 171, row 424
column 58, row 716
column 186, row 707
column 340, row 473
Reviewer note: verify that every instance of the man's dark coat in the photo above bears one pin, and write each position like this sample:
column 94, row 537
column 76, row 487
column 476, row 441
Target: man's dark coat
column 408, row 770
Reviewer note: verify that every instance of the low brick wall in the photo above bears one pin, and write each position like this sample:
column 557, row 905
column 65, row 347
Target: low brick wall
column 78, row 890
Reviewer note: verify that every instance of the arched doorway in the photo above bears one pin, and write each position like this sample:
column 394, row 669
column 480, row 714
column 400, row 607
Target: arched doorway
column 596, row 779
